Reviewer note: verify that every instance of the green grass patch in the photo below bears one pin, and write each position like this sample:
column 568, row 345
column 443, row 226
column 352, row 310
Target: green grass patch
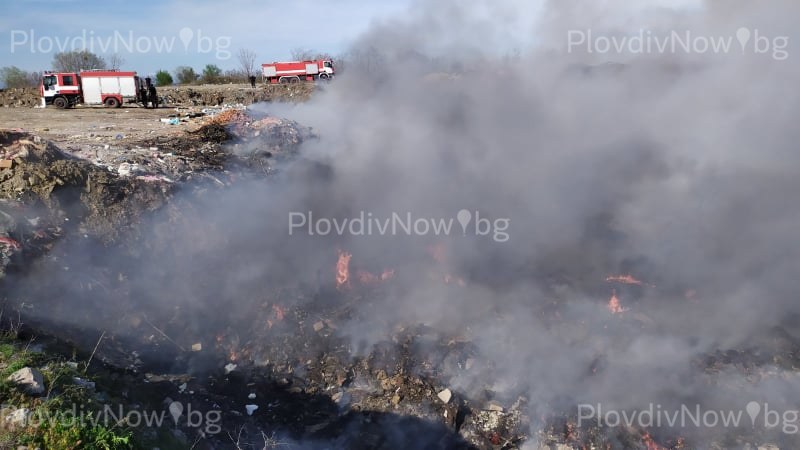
column 52, row 424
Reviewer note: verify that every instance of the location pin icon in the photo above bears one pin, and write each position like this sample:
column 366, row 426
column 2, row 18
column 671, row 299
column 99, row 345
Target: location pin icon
column 176, row 411
column 743, row 36
column 753, row 409
column 186, row 34
column 464, row 217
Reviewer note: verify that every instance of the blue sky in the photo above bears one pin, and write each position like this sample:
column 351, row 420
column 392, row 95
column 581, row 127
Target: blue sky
column 152, row 35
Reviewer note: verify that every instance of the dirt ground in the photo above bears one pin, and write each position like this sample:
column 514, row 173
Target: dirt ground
column 90, row 124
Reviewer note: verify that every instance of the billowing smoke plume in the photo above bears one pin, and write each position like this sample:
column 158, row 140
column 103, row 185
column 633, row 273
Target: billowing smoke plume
column 679, row 168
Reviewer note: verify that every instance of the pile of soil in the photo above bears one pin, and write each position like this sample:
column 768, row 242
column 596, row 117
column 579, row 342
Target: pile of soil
column 19, row 97
column 213, row 95
column 67, row 189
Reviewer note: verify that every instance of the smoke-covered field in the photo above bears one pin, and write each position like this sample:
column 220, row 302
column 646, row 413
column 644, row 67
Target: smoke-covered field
column 501, row 209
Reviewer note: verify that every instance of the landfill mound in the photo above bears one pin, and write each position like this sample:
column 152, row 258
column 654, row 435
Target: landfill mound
column 216, row 94
column 19, row 97
column 109, row 187
column 47, row 193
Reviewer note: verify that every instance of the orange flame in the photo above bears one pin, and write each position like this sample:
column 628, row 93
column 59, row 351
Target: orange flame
column 614, row 305
column 343, row 270
column 626, row 279
column 650, row 443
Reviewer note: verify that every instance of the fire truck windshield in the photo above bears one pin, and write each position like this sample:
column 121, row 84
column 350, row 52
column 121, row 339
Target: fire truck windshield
column 49, row 80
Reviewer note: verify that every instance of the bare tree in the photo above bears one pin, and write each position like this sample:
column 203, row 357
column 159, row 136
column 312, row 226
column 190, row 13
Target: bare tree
column 247, row 61
column 75, row 61
column 304, row 54
column 115, row 61
column 367, row 60
column 14, row 77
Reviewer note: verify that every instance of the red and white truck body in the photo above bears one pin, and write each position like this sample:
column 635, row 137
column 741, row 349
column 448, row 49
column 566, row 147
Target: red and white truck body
column 108, row 87
column 296, row 71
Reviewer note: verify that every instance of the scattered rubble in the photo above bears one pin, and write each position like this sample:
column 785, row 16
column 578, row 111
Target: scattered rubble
column 60, row 187
column 306, row 377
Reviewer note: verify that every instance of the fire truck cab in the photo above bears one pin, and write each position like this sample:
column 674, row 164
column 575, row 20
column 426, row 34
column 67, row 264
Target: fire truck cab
column 60, row 89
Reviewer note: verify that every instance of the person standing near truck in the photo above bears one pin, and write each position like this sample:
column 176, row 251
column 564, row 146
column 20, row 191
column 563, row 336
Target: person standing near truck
column 142, row 93
column 152, row 94
column 253, row 81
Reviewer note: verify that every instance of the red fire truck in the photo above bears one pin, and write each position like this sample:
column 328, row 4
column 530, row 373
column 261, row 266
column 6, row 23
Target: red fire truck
column 296, row 71
column 98, row 87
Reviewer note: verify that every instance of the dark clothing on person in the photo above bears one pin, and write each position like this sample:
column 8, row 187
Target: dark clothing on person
column 252, row 81
column 151, row 91
column 143, row 95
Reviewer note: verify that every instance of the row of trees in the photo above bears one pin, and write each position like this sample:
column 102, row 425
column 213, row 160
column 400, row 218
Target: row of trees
column 74, row 61
column 78, row 60
column 211, row 74
column 14, row 77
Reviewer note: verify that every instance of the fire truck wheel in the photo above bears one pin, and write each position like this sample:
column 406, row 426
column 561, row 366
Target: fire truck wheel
column 112, row 102
column 324, row 76
column 60, row 102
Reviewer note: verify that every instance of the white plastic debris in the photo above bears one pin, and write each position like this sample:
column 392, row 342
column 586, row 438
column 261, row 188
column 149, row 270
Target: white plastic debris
column 250, row 409
column 445, row 395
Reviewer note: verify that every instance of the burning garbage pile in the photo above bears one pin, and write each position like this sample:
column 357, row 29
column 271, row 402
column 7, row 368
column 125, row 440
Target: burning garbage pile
column 341, row 337
column 649, row 270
